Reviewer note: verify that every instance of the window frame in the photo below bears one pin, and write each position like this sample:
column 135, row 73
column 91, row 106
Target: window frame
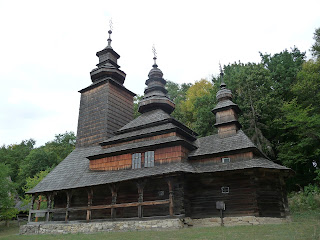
column 225, row 190
column 149, row 159
column 136, row 160
column 225, row 160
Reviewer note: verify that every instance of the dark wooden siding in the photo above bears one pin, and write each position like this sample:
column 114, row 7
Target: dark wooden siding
column 103, row 110
column 204, row 190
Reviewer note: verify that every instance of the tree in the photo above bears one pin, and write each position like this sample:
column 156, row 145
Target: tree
column 62, row 145
column 299, row 145
column 13, row 155
column 136, row 101
column 38, row 160
column 251, row 87
column 31, row 182
column 177, row 93
column 196, row 109
column 7, row 192
column 283, row 67
column 315, row 48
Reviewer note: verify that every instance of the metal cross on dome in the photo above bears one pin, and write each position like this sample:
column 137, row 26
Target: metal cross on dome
column 221, row 70
column 111, row 24
column 110, row 31
column 154, row 54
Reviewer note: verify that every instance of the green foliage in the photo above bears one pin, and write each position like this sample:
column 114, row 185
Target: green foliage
column 14, row 154
column 23, row 160
column 31, row 182
column 136, row 101
column 299, row 124
column 38, row 160
column 7, row 192
column 196, row 107
column 62, row 145
column 177, row 93
column 315, row 48
column 309, row 199
column 283, row 68
column 251, row 87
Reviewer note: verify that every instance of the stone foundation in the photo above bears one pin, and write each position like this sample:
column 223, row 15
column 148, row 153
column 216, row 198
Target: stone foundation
column 235, row 221
column 92, row 227
column 134, row 225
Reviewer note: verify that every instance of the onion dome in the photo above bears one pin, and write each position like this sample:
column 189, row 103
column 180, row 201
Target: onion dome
column 155, row 95
column 108, row 66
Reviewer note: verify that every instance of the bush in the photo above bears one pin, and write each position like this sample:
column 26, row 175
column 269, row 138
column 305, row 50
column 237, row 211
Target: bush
column 308, row 199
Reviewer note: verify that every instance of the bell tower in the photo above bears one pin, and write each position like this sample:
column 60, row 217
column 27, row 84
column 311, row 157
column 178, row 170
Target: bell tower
column 106, row 105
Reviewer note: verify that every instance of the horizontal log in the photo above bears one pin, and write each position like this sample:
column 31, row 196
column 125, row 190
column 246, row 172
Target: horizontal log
column 119, row 205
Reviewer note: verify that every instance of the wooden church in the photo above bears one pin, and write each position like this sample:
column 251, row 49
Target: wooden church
column 155, row 166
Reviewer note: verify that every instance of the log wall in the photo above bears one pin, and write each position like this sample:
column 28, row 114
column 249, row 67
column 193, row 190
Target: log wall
column 204, row 190
column 103, row 110
column 155, row 189
column 233, row 158
column 124, row 161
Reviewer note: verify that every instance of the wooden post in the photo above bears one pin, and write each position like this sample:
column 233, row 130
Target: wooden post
column 49, row 203
column 31, row 208
column 38, row 205
column 69, row 195
column 170, row 185
column 140, row 186
column 90, row 196
column 114, row 193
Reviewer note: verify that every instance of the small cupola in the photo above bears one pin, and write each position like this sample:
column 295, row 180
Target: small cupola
column 155, row 95
column 108, row 66
column 226, row 111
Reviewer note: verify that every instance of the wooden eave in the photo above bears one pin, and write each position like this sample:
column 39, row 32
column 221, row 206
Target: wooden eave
column 103, row 81
column 182, row 142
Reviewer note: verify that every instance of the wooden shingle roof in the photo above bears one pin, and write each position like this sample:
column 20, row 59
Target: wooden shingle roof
column 73, row 172
column 214, row 144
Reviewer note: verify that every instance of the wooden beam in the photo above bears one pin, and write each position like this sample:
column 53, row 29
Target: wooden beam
column 114, row 194
column 170, row 185
column 49, row 206
column 140, row 186
column 119, row 205
column 69, row 195
column 90, row 196
column 31, row 207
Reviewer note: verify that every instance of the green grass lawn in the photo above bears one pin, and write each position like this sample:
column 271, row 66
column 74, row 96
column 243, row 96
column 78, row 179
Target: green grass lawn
column 305, row 225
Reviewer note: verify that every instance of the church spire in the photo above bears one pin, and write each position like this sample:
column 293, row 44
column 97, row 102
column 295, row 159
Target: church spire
column 155, row 95
column 222, row 84
column 108, row 66
column 110, row 32
column 226, row 111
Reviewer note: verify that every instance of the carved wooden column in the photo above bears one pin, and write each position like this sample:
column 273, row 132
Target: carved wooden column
column 31, row 207
column 114, row 194
column 170, row 185
column 69, row 195
column 49, row 205
column 90, row 196
column 38, row 206
column 140, row 186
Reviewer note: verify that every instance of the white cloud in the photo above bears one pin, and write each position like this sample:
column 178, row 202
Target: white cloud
column 48, row 49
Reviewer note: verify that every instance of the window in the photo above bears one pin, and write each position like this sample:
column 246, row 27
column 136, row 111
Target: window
column 160, row 193
column 149, row 159
column 225, row 160
column 136, row 160
column 225, row 189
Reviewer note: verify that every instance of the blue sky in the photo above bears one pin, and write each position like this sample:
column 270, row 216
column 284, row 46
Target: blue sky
column 48, row 49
